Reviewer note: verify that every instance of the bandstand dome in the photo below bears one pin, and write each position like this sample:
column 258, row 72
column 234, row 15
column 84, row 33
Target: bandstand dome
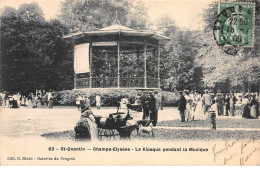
column 115, row 39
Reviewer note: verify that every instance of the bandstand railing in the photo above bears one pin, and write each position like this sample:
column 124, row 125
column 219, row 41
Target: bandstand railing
column 104, row 82
column 129, row 82
column 111, row 82
column 82, row 83
column 152, row 82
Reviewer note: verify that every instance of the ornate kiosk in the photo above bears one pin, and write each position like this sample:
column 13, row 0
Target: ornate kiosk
column 117, row 57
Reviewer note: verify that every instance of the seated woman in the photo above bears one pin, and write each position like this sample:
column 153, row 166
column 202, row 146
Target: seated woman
column 87, row 124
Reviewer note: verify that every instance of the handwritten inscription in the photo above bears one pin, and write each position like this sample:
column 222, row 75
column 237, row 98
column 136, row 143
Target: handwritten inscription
column 230, row 151
column 246, row 158
column 229, row 158
column 226, row 147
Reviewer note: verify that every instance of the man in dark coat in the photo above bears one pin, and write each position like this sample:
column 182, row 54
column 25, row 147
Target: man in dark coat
column 227, row 104
column 220, row 105
column 152, row 108
column 145, row 104
column 182, row 106
column 158, row 99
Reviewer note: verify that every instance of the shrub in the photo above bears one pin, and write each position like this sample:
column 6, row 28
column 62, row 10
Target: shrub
column 109, row 97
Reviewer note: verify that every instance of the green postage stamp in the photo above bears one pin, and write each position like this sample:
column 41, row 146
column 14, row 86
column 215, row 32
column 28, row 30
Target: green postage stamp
column 236, row 23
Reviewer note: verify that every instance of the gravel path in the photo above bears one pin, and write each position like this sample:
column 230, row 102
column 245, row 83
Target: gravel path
column 58, row 124
column 168, row 134
column 222, row 122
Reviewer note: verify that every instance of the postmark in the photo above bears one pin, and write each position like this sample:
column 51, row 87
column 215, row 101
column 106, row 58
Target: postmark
column 234, row 27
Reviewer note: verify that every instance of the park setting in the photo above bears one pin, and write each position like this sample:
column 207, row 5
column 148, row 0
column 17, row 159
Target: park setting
column 112, row 70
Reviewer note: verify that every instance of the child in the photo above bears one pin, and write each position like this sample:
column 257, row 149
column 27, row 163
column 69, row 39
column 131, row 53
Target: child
column 212, row 111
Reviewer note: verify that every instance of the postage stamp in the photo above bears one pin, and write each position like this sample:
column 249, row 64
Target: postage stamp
column 236, row 24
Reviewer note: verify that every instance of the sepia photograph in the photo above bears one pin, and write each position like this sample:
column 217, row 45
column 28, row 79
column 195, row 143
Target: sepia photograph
column 129, row 83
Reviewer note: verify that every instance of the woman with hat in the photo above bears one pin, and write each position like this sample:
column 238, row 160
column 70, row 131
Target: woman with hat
column 254, row 107
column 50, row 100
column 188, row 106
column 87, row 123
column 246, row 104
column 199, row 112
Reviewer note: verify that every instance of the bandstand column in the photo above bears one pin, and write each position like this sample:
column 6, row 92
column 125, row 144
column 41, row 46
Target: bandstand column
column 118, row 64
column 90, row 65
column 75, row 81
column 145, row 75
column 158, row 75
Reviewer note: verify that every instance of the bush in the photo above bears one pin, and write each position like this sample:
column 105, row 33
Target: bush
column 109, row 97
column 170, row 98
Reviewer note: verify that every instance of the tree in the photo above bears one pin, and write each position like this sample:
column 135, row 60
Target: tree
column 178, row 59
column 242, row 69
column 89, row 15
column 34, row 55
column 31, row 11
column 165, row 25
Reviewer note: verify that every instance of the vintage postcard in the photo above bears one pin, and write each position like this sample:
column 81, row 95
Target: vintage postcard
column 130, row 83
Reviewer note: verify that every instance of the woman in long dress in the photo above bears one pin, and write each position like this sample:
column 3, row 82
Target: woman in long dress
column 232, row 100
column 246, row 109
column 30, row 101
column 188, row 106
column 23, row 101
column 253, row 107
column 50, row 99
column 199, row 112
column 88, row 118
column 34, row 101
column 98, row 101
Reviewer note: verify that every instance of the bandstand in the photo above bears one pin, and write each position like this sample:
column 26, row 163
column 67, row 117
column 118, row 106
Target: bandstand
column 114, row 46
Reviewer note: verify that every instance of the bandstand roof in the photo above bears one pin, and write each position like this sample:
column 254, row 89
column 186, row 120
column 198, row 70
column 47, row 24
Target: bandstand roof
column 113, row 32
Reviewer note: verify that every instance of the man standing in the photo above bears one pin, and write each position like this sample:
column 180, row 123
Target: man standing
column 182, row 106
column 206, row 102
column 145, row 104
column 152, row 108
column 227, row 104
column 220, row 104
column 157, row 106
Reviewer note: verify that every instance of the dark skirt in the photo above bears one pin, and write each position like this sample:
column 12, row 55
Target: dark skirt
column 15, row 105
column 50, row 105
column 246, row 112
column 253, row 111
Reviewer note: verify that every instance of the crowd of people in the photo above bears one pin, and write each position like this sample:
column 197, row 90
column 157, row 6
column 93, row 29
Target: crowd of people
column 192, row 105
column 195, row 106
column 17, row 100
column 148, row 102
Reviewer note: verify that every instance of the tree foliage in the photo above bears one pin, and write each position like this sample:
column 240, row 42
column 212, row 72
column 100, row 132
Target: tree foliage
column 34, row 56
column 178, row 59
column 89, row 15
column 218, row 67
column 165, row 25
